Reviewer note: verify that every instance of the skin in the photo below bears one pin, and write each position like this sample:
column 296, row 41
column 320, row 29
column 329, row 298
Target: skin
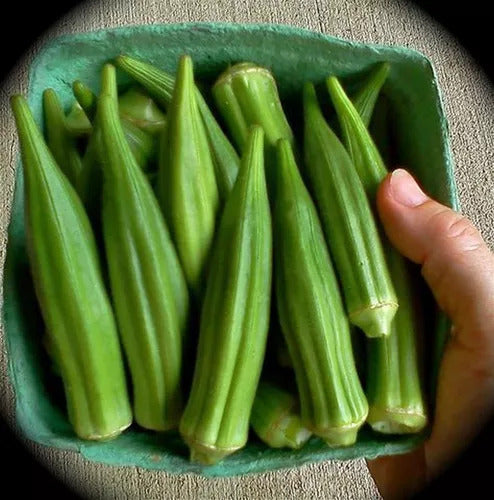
column 459, row 268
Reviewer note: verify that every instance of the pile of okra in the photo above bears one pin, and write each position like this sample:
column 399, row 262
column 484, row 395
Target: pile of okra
column 186, row 251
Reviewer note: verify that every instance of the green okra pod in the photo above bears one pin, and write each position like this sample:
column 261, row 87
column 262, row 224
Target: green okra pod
column 234, row 318
column 77, row 122
column 59, row 139
column 142, row 144
column 247, row 94
column 85, row 97
column 140, row 118
column 349, row 225
column 311, row 312
column 138, row 108
column 186, row 181
column 362, row 149
column 148, row 288
column 275, row 417
column 365, row 99
column 160, row 85
column 394, row 385
column 69, row 286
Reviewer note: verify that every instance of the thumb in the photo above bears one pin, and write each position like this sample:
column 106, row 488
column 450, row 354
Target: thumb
column 459, row 269
column 456, row 263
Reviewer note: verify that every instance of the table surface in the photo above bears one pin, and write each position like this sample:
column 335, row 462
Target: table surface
column 468, row 100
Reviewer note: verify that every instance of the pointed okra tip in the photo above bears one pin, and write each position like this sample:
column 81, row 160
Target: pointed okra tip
column 109, row 80
column 309, row 97
column 16, row 101
column 284, row 151
column 184, row 82
column 84, row 95
column 20, row 109
column 185, row 63
column 49, row 95
column 121, row 60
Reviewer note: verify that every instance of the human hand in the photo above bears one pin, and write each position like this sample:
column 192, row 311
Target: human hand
column 459, row 268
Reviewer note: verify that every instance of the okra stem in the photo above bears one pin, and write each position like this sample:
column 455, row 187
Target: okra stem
column 275, row 417
column 247, row 94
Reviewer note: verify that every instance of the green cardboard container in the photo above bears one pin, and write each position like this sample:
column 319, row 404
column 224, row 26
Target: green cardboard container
column 295, row 56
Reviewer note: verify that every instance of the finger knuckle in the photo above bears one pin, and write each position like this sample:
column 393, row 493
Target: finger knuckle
column 449, row 225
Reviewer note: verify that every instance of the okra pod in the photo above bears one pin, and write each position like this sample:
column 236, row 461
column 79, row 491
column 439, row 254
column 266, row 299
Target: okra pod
column 160, row 85
column 349, row 225
column 85, row 97
column 362, row 149
column 186, row 182
column 365, row 99
column 60, row 141
column 311, row 312
column 393, row 381
column 144, row 272
column 394, row 386
column 143, row 146
column 140, row 119
column 77, row 122
column 234, row 318
column 275, row 417
column 246, row 94
column 69, row 286
column 138, row 108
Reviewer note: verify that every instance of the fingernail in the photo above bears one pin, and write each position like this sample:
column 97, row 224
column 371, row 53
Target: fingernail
column 405, row 190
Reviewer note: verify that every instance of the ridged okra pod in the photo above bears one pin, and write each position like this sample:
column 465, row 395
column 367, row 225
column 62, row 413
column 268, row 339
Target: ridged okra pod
column 186, row 182
column 349, row 225
column 142, row 144
column 234, row 318
column 311, row 312
column 160, row 85
column 365, row 99
column 394, row 386
column 275, row 417
column 69, row 285
column 77, row 122
column 58, row 137
column 148, row 290
column 247, row 94
column 138, row 108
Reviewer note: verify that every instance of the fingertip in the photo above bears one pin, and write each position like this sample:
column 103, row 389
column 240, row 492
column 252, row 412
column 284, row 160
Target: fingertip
column 398, row 201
